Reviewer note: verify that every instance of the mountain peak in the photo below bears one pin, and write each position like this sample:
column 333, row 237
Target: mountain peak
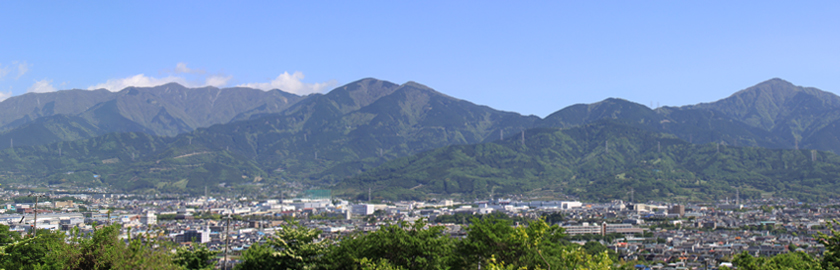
column 768, row 102
column 416, row 85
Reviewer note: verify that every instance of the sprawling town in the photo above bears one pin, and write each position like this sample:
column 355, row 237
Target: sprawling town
column 665, row 235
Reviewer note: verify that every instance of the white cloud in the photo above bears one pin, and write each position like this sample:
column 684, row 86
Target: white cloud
column 139, row 80
column 41, row 86
column 5, row 95
column 4, row 71
column 217, row 80
column 22, row 69
column 292, row 83
column 182, row 68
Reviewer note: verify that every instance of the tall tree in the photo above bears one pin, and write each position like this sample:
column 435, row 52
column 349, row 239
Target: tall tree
column 534, row 245
column 401, row 245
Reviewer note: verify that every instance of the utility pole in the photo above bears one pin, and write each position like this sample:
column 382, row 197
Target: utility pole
column 227, row 243
column 35, row 222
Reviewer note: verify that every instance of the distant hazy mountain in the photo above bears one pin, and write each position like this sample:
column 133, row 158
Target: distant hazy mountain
column 164, row 110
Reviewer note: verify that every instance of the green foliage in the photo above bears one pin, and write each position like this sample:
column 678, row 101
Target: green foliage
column 831, row 256
column 29, row 252
column 466, row 218
column 785, row 261
column 105, row 250
column 524, row 246
column 292, row 247
column 101, row 250
column 575, row 161
column 402, row 245
column 381, row 264
column 199, row 258
column 257, row 257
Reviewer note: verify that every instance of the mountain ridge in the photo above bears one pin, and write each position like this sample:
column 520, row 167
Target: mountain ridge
column 327, row 139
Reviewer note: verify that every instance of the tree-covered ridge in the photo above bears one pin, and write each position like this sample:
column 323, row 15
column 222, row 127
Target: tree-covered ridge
column 129, row 161
column 771, row 114
column 328, row 139
column 165, row 110
column 603, row 161
column 320, row 140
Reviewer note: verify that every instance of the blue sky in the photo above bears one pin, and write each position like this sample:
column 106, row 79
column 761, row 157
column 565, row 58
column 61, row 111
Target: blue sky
column 532, row 57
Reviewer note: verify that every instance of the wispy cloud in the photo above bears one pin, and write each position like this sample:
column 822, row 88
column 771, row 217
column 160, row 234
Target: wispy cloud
column 4, row 71
column 182, row 68
column 292, row 83
column 5, row 95
column 22, row 68
column 41, row 86
column 217, row 80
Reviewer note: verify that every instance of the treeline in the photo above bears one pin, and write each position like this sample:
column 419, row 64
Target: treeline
column 489, row 243
column 101, row 249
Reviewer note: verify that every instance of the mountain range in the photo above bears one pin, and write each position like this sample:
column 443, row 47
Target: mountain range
column 409, row 140
column 166, row 110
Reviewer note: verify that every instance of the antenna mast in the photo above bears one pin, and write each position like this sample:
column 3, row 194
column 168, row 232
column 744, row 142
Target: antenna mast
column 523, row 137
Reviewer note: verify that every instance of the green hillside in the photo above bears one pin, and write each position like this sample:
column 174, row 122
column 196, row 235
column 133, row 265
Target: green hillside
column 410, row 141
column 576, row 161
column 165, row 110
column 129, row 161
column 318, row 141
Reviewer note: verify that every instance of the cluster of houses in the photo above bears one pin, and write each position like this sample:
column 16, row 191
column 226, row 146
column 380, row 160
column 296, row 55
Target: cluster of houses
column 660, row 233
